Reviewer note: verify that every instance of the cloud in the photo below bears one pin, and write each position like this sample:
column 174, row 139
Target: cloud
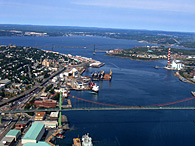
column 160, row 5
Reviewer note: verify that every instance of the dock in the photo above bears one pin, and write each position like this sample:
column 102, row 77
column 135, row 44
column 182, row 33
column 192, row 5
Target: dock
column 68, row 105
column 48, row 140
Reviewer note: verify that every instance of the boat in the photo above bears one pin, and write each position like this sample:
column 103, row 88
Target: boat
column 95, row 88
column 95, row 76
column 156, row 67
column 76, row 142
column 60, row 136
column 86, row 140
column 106, row 76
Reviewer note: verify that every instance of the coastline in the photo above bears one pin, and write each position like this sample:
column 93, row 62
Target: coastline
column 181, row 78
column 147, row 60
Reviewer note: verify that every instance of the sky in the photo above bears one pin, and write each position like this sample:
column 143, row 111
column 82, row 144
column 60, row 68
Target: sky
column 168, row 15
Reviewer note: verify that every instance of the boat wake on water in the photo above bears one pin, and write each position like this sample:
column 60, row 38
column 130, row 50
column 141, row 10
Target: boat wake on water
column 114, row 65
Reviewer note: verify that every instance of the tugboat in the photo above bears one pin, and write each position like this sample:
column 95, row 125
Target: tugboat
column 86, row 140
column 76, row 142
column 93, row 86
column 60, row 134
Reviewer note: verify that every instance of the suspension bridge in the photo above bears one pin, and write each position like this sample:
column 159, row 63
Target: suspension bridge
column 79, row 104
column 82, row 104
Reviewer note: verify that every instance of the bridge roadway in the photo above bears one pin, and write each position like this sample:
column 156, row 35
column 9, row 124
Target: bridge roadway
column 102, row 108
column 30, row 90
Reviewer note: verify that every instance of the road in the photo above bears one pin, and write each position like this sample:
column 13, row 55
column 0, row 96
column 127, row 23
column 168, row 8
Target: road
column 7, row 129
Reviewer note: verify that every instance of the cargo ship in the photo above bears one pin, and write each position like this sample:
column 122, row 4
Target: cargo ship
column 96, row 76
column 86, row 140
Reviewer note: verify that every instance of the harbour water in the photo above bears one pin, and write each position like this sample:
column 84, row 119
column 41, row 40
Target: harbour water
column 133, row 83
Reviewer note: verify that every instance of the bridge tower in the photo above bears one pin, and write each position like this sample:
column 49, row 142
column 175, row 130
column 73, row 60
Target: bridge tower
column 60, row 113
column 94, row 50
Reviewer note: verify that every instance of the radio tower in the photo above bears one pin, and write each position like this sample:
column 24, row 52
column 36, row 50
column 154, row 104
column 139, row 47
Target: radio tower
column 169, row 55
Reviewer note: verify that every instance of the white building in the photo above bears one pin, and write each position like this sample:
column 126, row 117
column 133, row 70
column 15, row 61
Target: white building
column 55, row 79
column 176, row 65
column 63, row 90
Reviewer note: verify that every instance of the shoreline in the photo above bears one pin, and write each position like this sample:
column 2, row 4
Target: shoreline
column 181, row 78
column 147, row 60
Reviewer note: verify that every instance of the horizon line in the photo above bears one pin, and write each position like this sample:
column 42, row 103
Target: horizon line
column 99, row 27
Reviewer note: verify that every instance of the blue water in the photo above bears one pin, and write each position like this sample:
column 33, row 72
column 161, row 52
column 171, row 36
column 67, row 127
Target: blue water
column 133, row 83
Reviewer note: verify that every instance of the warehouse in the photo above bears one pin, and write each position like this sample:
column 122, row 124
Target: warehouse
column 13, row 133
column 34, row 134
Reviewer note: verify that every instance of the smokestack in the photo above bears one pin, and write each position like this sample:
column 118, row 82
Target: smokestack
column 169, row 55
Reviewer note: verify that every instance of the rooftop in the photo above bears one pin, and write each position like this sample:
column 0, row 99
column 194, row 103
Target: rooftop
column 34, row 131
column 13, row 132
column 4, row 81
column 54, row 114
column 40, row 143
column 40, row 114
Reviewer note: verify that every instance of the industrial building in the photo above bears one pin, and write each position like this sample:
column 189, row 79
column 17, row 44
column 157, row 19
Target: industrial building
column 21, row 124
column 53, row 115
column 13, row 133
column 34, row 134
column 48, row 124
column 176, row 65
column 46, row 103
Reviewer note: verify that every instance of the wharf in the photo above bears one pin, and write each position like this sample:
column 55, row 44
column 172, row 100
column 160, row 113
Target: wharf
column 98, row 66
column 69, row 104
column 48, row 140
